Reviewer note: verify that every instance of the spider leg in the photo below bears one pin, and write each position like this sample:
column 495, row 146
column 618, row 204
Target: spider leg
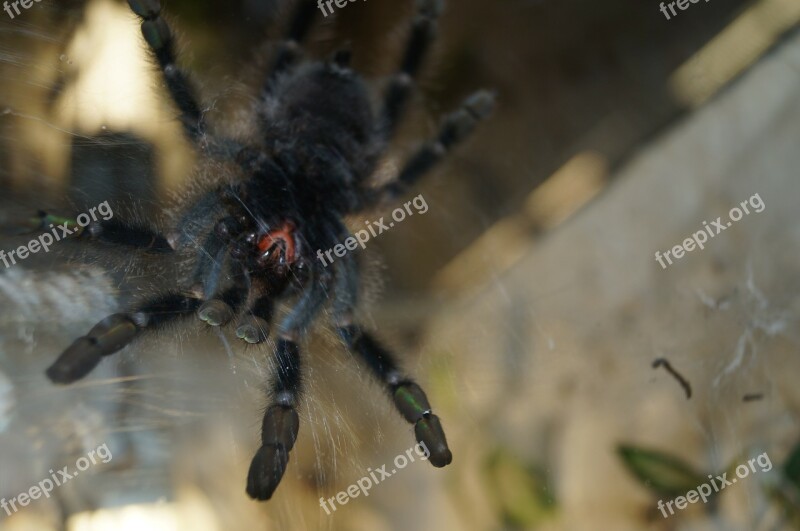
column 289, row 49
column 111, row 231
column 115, row 332
column 455, row 128
column 281, row 423
column 408, row 396
column 161, row 41
column 423, row 32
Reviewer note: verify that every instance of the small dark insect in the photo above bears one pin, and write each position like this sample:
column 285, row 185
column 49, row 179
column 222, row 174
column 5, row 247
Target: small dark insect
column 247, row 241
column 662, row 362
column 753, row 397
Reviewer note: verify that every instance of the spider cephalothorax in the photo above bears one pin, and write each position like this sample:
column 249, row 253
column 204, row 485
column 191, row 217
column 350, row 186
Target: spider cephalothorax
column 252, row 239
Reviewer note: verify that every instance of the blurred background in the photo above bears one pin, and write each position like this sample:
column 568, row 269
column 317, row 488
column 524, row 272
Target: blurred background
column 527, row 300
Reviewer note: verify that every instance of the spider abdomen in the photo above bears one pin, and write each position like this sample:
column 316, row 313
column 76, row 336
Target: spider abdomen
column 326, row 104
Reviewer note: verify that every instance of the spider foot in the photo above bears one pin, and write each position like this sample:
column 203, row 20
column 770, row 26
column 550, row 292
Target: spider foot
column 278, row 435
column 253, row 329
column 107, row 337
column 147, row 9
column 410, row 400
column 215, row 312
column 266, row 471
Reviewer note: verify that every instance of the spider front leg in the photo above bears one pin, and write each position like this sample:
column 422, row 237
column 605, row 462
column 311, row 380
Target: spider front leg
column 161, row 41
column 115, row 332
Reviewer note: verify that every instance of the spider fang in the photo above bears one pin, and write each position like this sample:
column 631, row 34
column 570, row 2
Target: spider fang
column 282, row 239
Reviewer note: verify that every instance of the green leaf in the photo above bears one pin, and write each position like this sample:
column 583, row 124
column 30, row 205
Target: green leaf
column 520, row 493
column 664, row 474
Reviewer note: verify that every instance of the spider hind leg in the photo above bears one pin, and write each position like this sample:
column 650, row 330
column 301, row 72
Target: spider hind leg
column 455, row 128
column 289, row 49
column 401, row 85
column 409, row 398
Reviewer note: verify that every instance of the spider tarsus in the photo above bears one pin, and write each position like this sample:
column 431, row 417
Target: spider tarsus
column 411, row 401
column 80, row 358
column 252, row 329
column 430, row 433
column 215, row 312
column 460, row 123
column 266, row 471
column 481, row 103
column 77, row 361
column 147, row 9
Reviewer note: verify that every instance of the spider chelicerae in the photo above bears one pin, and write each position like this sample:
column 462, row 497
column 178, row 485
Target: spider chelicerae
column 247, row 238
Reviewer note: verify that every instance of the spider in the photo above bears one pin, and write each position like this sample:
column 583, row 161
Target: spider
column 247, row 237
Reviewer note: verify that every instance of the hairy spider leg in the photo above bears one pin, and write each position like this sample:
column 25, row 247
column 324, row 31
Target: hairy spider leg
column 160, row 38
column 289, row 49
column 281, row 423
column 112, row 231
column 408, row 397
column 455, row 128
column 115, row 332
column 401, row 85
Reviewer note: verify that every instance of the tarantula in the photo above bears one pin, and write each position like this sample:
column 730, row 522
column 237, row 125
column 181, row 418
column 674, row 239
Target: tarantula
column 250, row 237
